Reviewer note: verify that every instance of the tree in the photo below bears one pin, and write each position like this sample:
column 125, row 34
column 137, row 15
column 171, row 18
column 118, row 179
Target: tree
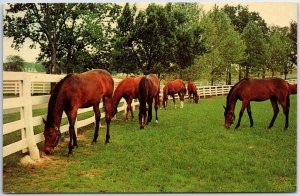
column 240, row 16
column 124, row 57
column 256, row 47
column 293, row 36
column 280, row 47
column 58, row 28
column 189, row 34
column 14, row 63
column 225, row 46
column 157, row 40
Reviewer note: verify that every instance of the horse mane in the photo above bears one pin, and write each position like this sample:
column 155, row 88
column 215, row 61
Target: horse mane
column 53, row 97
column 231, row 90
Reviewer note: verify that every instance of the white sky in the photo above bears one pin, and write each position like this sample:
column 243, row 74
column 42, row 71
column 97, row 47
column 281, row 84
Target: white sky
column 274, row 13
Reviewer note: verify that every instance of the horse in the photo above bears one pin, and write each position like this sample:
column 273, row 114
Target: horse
column 192, row 90
column 148, row 90
column 293, row 88
column 71, row 93
column 171, row 88
column 127, row 88
column 247, row 90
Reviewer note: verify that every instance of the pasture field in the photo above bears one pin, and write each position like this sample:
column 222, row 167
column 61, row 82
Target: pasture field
column 189, row 150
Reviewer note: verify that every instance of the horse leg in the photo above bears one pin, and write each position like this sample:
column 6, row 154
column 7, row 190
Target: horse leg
column 108, row 109
column 244, row 105
column 72, row 114
column 156, row 106
column 97, row 119
column 174, row 100
column 276, row 111
column 130, row 107
column 250, row 114
column 149, row 111
column 127, row 109
column 286, row 108
column 181, row 97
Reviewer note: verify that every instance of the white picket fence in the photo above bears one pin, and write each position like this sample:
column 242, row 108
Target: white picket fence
column 24, row 85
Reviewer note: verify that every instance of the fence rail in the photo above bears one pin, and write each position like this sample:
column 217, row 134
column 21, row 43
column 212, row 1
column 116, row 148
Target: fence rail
column 24, row 85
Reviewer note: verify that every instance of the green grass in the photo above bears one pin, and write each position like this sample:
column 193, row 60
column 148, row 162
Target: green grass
column 189, row 150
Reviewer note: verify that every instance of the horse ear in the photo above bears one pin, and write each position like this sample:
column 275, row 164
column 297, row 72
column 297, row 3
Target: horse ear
column 224, row 107
column 44, row 121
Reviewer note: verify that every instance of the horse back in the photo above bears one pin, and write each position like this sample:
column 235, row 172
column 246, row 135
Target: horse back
column 175, row 86
column 88, row 88
column 263, row 89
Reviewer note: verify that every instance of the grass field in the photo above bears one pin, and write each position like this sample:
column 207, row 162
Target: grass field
column 189, row 150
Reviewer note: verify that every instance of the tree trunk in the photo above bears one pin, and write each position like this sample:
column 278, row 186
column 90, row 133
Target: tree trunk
column 264, row 73
column 229, row 78
column 53, row 59
column 240, row 72
column 247, row 71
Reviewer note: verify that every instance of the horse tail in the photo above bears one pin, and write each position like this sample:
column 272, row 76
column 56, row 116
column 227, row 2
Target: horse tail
column 143, row 93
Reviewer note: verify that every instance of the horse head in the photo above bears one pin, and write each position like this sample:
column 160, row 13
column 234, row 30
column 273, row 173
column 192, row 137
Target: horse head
column 229, row 117
column 52, row 135
column 165, row 102
column 196, row 98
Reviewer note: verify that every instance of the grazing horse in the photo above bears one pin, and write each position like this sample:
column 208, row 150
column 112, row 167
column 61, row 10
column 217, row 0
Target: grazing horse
column 127, row 88
column 171, row 88
column 192, row 90
column 73, row 92
column 293, row 88
column 246, row 90
column 148, row 90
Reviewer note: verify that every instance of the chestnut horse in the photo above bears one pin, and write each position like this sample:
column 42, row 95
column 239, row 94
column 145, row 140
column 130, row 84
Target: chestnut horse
column 127, row 88
column 73, row 92
column 246, row 90
column 171, row 88
column 293, row 88
column 148, row 90
column 192, row 90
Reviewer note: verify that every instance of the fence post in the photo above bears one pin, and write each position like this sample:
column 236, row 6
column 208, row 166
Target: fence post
column 33, row 149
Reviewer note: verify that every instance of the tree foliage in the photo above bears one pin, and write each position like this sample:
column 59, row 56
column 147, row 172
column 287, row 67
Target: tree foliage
column 14, row 63
column 61, row 30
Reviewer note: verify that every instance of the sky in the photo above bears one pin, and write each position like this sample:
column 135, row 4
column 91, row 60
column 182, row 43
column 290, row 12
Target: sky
column 274, row 13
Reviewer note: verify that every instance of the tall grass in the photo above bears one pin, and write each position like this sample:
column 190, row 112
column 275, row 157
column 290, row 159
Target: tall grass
column 189, row 150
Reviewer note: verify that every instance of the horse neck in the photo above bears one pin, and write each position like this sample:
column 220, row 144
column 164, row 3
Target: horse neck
column 55, row 110
column 231, row 100
column 118, row 94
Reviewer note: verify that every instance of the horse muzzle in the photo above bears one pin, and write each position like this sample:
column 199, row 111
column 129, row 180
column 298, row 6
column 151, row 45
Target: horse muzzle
column 48, row 150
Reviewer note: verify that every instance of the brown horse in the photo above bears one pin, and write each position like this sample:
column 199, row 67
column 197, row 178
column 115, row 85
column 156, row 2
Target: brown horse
column 293, row 88
column 246, row 90
column 73, row 92
column 171, row 88
column 192, row 90
column 127, row 88
column 148, row 90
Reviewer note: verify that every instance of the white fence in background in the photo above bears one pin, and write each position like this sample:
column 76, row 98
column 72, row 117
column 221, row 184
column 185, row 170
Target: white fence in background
column 18, row 91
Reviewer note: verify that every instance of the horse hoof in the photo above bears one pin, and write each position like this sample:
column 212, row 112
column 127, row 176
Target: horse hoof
column 156, row 121
column 141, row 127
column 70, row 152
column 93, row 142
column 106, row 142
